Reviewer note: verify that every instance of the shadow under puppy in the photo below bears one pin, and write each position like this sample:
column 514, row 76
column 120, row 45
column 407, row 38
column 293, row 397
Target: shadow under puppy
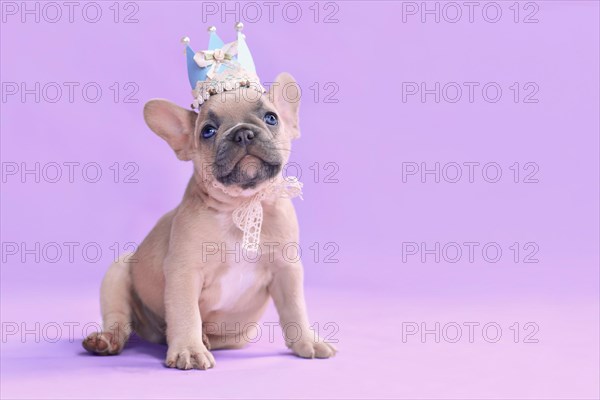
column 172, row 289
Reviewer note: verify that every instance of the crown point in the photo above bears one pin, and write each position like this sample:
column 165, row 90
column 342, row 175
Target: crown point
column 239, row 26
column 185, row 40
column 212, row 28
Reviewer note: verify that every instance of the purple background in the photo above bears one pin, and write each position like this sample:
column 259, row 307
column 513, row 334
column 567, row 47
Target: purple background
column 369, row 213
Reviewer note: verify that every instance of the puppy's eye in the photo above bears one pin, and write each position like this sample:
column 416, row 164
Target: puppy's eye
column 208, row 131
column 270, row 118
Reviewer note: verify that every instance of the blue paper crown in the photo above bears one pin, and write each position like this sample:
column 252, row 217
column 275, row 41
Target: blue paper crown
column 221, row 67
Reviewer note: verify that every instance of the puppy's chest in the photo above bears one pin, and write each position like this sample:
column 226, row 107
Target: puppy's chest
column 236, row 277
column 237, row 283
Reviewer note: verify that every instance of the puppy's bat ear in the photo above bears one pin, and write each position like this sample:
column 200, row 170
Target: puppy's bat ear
column 285, row 95
column 172, row 123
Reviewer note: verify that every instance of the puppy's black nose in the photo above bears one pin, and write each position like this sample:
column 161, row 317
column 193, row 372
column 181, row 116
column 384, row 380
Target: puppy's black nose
column 243, row 137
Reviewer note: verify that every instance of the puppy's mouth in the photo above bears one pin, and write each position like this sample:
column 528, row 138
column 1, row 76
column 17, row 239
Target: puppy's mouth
column 248, row 171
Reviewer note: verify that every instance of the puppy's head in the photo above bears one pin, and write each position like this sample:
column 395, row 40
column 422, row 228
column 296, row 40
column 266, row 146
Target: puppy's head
column 239, row 139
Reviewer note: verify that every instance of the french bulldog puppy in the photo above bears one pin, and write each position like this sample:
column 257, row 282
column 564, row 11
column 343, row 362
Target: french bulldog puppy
column 189, row 283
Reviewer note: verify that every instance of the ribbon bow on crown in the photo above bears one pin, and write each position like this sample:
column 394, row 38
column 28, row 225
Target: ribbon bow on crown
column 215, row 58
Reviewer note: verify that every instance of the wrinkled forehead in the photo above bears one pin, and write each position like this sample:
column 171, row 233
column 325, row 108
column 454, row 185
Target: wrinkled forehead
column 235, row 104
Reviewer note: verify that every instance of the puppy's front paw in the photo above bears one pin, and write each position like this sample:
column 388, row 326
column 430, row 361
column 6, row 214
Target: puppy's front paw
column 313, row 349
column 188, row 357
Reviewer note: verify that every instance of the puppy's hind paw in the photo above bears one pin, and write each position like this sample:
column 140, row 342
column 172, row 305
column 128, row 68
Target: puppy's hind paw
column 205, row 340
column 103, row 344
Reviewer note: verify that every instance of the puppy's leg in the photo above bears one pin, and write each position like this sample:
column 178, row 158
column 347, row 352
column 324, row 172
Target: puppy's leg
column 288, row 295
column 115, row 303
column 186, row 349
